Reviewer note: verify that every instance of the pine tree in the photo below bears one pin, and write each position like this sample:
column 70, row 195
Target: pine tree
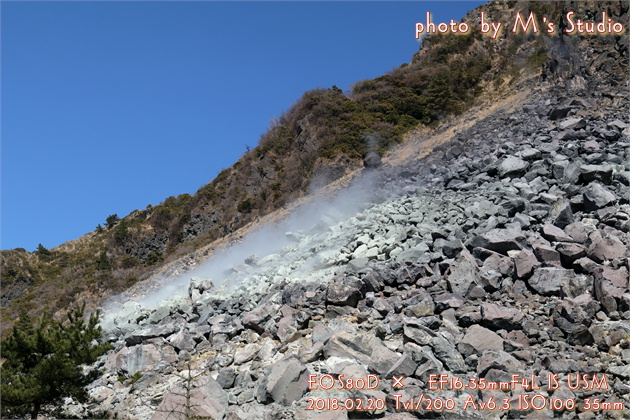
column 111, row 220
column 42, row 250
column 102, row 262
column 48, row 362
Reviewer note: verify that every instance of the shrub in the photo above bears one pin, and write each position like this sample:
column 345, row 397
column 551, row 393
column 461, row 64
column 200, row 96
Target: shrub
column 153, row 258
column 245, row 206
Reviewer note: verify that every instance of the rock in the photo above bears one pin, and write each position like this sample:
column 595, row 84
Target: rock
column 321, row 333
column 441, row 346
column 254, row 411
column 159, row 314
column 498, row 317
column 356, row 264
column 225, row 324
column 182, row 341
column 415, row 255
column 383, row 306
column 312, row 353
column 342, row 294
column 499, row 240
column 600, row 173
column 130, row 313
column 425, row 359
column 555, row 234
column 383, row 360
column 198, row 287
column 578, row 232
column 525, row 262
column 604, row 247
column 287, row 381
column 140, row 358
column 479, row 339
column 448, row 300
column 559, row 112
column 424, row 308
column 258, row 317
column 610, row 285
column 226, row 378
column 464, row 273
column 499, row 360
column 584, row 265
column 572, row 124
column 548, row 255
column 597, row 196
column 445, row 351
column 404, row 366
column 561, row 214
column 620, row 371
column 289, row 326
column 549, row 281
column 570, row 252
column 246, row 354
column 361, row 348
column 143, row 334
column 512, row 166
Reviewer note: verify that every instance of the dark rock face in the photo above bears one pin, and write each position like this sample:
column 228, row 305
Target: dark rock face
column 505, row 252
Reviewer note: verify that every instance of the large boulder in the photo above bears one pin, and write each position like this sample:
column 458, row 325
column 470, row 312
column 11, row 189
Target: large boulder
column 500, row 240
column 362, row 348
column 464, row 273
column 549, row 281
column 604, row 247
column 287, row 381
column 479, row 339
column 512, row 166
column 596, row 196
column 140, row 358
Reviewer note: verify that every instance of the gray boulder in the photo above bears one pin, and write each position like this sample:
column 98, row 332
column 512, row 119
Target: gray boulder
column 549, row 281
column 512, row 166
column 479, row 339
column 500, row 240
column 596, row 196
column 287, row 381
column 604, row 247
column 464, row 273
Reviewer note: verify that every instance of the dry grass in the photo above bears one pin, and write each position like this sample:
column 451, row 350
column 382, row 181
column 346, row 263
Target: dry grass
column 421, row 142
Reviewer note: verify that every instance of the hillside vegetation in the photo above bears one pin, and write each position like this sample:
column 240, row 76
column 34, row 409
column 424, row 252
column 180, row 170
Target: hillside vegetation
column 323, row 136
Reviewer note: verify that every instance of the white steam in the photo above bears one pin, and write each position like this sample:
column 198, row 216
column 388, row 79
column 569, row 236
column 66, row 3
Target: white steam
column 308, row 239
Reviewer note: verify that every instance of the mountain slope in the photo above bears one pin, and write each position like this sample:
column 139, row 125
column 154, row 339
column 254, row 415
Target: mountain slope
column 500, row 255
column 491, row 244
column 320, row 138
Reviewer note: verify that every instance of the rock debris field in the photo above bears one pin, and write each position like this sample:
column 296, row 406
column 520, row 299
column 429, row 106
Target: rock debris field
column 487, row 281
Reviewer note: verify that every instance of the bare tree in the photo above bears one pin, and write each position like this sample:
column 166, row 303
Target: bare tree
column 181, row 406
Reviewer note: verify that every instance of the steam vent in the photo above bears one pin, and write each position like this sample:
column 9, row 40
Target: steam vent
column 470, row 263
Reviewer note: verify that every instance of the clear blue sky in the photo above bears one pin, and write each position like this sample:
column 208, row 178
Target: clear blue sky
column 110, row 106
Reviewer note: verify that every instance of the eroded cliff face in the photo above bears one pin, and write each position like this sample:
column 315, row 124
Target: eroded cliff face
column 495, row 246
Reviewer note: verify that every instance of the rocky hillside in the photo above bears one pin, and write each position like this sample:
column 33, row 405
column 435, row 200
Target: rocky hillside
column 500, row 260
column 321, row 138
column 495, row 244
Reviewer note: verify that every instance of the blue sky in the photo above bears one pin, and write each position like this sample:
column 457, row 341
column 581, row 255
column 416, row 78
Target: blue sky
column 108, row 107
